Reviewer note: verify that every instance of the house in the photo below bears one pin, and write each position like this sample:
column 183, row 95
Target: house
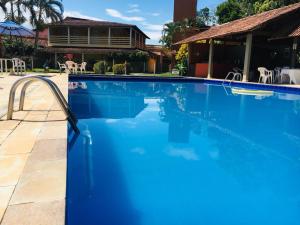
column 84, row 38
column 269, row 39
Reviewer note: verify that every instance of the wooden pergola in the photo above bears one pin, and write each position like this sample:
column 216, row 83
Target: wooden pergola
column 265, row 26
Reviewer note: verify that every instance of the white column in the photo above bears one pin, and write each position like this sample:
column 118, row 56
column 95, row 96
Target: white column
column 82, row 57
column 247, row 57
column 109, row 36
column 69, row 41
column 89, row 35
column 130, row 37
column 210, row 59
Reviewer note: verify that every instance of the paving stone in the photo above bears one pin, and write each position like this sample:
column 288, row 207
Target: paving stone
column 40, row 182
column 45, row 213
column 45, row 150
column 5, row 194
column 52, row 132
column 11, row 168
column 8, row 124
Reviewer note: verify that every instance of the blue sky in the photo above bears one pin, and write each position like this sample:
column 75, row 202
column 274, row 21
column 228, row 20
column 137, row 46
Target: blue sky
column 149, row 15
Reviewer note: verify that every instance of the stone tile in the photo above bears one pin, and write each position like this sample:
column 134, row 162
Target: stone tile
column 5, row 195
column 40, row 182
column 11, row 146
column 53, row 132
column 11, row 168
column 50, row 123
column 45, row 213
column 8, row 124
column 56, row 115
column 20, row 115
column 4, row 133
column 49, row 150
column 36, row 117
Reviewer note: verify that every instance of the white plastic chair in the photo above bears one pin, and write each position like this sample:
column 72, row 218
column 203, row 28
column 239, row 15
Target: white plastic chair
column 265, row 75
column 18, row 65
column 82, row 67
column 72, row 66
column 62, row 67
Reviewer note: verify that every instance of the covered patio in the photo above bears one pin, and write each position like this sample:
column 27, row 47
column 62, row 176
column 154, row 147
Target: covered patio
column 269, row 40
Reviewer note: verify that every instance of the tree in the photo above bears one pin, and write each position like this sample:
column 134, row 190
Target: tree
column 169, row 30
column 3, row 5
column 229, row 11
column 235, row 9
column 204, row 18
column 16, row 12
column 42, row 12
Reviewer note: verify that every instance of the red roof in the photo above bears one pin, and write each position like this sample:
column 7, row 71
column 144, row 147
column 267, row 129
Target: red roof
column 295, row 33
column 73, row 21
column 243, row 25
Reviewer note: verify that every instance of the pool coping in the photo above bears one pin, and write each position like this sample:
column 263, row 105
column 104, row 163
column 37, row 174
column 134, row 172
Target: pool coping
column 272, row 87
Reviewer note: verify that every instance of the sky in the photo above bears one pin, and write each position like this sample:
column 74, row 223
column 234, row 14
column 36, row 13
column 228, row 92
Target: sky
column 148, row 15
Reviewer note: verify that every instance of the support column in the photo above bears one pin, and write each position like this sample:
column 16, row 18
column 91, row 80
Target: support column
column 130, row 40
column 82, row 57
column 69, row 38
column 89, row 35
column 247, row 57
column 294, row 52
column 55, row 60
column 109, row 36
column 210, row 59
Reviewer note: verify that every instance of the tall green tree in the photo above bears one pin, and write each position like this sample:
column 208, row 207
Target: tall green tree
column 204, row 18
column 16, row 10
column 235, row 9
column 42, row 12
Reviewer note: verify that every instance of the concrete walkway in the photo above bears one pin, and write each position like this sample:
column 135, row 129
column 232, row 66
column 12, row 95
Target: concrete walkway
column 33, row 158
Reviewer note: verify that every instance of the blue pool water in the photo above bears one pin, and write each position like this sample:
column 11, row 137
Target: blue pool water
column 162, row 153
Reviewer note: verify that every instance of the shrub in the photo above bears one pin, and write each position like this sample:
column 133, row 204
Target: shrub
column 121, row 68
column 99, row 67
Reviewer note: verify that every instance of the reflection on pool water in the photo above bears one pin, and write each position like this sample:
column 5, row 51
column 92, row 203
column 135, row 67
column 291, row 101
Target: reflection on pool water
column 182, row 154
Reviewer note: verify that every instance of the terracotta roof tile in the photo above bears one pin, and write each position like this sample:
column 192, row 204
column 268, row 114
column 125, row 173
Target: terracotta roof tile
column 243, row 25
column 295, row 33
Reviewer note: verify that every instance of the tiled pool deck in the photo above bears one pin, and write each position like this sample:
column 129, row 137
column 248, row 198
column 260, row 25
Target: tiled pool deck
column 33, row 158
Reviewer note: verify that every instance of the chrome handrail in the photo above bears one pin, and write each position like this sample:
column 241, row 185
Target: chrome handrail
column 28, row 80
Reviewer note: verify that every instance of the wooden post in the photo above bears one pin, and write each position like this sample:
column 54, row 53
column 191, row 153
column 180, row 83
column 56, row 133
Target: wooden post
column 69, row 38
column 130, row 40
column 89, row 35
column 49, row 37
column 109, row 36
column 294, row 52
column 154, row 69
column 55, row 60
column 247, row 57
column 210, row 59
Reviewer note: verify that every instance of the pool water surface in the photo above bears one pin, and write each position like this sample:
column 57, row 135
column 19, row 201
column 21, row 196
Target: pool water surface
column 163, row 153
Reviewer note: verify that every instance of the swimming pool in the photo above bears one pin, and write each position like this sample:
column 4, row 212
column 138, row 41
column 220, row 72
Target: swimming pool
column 182, row 153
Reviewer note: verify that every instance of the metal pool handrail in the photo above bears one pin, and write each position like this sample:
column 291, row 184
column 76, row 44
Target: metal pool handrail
column 28, row 80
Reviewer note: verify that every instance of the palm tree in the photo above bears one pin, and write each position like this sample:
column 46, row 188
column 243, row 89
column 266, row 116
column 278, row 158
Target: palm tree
column 169, row 30
column 3, row 5
column 17, row 8
column 42, row 12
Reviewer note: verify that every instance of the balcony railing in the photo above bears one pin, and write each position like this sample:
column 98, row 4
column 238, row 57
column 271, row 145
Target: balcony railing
column 94, row 41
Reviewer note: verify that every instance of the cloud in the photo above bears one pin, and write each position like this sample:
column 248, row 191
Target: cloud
column 154, row 27
column 132, row 6
column 153, row 35
column 80, row 15
column 155, row 14
column 116, row 14
column 134, row 10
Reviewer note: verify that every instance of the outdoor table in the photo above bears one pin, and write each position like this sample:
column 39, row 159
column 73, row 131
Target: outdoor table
column 294, row 75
